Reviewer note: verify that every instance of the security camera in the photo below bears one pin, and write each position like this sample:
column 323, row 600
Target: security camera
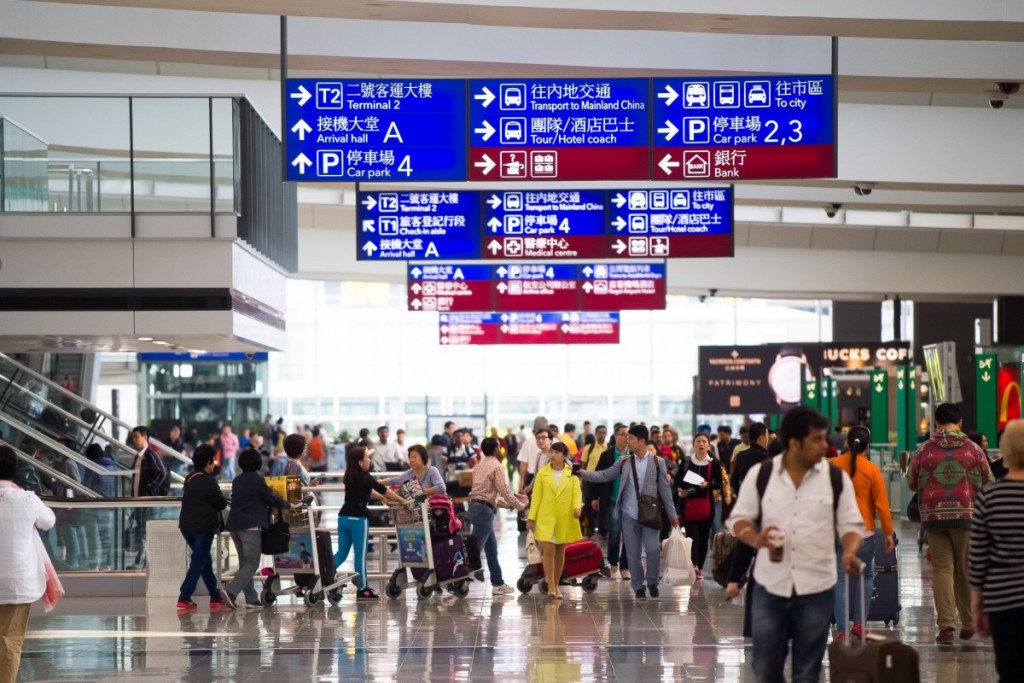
column 832, row 210
column 863, row 189
column 250, row 355
column 1008, row 88
column 713, row 292
column 996, row 104
column 702, row 298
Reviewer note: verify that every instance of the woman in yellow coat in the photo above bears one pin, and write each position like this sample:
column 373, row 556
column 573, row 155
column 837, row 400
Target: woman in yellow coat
column 555, row 513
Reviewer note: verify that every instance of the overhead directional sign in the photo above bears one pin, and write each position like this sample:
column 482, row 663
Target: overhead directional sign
column 560, row 129
column 406, row 226
column 672, row 223
column 459, row 329
column 744, row 128
column 523, row 287
column 348, row 130
column 545, row 224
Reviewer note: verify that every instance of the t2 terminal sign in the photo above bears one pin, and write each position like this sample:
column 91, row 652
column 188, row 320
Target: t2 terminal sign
column 744, row 128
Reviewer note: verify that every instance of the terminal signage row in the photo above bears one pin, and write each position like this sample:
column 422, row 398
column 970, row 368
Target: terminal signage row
column 525, row 287
column 461, row 329
column 545, row 224
column 402, row 130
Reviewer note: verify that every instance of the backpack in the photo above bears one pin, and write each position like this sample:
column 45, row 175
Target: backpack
column 835, row 475
column 443, row 520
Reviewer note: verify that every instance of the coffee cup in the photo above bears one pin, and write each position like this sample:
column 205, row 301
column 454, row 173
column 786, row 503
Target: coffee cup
column 776, row 545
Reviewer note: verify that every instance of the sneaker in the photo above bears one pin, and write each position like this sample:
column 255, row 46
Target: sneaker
column 227, row 598
column 945, row 636
column 367, row 594
column 503, row 589
column 840, row 637
column 253, row 605
column 218, row 605
column 966, row 633
column 653, row 589
column 185, row 604
column 857, row 630
column 700, row 575
column 613, row 570
column 641, row 594
column 624, row 575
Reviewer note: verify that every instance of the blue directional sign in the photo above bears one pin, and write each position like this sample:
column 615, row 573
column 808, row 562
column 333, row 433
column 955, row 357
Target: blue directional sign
column 404, row 226
column 348, row 130
column 560, row 129
column 671, row 223
column 545, row 224
column 744, row 128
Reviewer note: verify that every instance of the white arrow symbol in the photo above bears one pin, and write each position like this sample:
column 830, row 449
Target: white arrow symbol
column 878, row 388
column 494, row 247
column 368, row 226
column 502, row 272
column 494, row 201
column 900, row 384
column 416, row 272
column 302, row 128
column 669, row 131
column 588, row 271
column 504, row 328
column 486, row 97
column 986, row 377
column 502, row 287
column 619, row 246
column 618, row 223
column 369, row 248
column 587, row 287
column 302, row 96
column 494, row 224
column 504, row 317
column 416, row 289
column 487, row 164
column 619, row 200
column 416, row 304
column 667, row 164
column 565, row 328
column 303, row 162
column 486, row 130
column 669, row 95
column 369, row 203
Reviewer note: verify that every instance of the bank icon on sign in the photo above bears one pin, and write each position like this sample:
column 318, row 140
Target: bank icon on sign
column 697, row 164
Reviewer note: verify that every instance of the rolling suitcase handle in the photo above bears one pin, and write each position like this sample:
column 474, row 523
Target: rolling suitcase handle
column 849, row 608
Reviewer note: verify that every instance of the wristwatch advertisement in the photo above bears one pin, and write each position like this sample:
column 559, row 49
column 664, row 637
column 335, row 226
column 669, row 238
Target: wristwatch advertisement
column 787, row 375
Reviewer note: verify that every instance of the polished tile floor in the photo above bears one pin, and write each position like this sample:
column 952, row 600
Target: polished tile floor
column 689, row 634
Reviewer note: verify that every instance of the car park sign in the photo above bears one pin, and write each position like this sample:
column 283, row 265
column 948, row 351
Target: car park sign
column 744, row 128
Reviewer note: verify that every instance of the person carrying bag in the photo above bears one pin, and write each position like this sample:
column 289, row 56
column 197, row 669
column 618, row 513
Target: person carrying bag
column 696, row 482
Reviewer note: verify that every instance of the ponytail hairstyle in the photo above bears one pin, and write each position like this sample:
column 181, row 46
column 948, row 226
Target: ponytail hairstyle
column 858, row 440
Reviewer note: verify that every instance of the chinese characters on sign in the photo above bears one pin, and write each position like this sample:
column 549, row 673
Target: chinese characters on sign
column 459, row 329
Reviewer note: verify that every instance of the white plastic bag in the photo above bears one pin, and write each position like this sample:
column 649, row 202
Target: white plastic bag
column 533, row 555
column 676, row 567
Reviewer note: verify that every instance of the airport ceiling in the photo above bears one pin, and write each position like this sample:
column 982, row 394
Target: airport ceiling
column 888, row 55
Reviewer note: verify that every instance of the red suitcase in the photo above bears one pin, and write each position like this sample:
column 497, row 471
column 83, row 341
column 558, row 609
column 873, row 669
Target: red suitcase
column 583, row 560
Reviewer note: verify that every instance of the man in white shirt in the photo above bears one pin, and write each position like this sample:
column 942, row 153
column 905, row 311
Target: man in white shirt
column 529, row 454
column 388, row 451
column 793, row 596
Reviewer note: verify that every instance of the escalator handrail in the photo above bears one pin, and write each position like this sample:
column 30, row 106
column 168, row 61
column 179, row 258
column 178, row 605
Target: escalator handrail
column 73, row 484
column 64, row 450
column 112, row 503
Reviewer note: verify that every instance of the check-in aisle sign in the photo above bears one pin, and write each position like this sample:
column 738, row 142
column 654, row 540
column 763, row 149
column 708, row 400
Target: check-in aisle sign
column 560, row 129
column 525, row 287
column 461, row 329
column 364, row 130
column 544, row 225
column 743, row 128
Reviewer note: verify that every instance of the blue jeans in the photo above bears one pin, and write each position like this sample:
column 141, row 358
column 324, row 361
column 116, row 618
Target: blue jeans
column 716, row 518
column 642, row 539
column 354, row 534
column 482, row 518
column 616, row 556
column 866, row 553
column 200, row 564
column 804, row 619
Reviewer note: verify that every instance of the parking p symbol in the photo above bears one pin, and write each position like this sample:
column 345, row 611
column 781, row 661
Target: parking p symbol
column 696, row 130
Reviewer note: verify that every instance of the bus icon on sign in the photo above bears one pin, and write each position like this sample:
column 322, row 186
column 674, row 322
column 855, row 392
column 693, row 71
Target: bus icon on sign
column 727, row 94
column 513, row 96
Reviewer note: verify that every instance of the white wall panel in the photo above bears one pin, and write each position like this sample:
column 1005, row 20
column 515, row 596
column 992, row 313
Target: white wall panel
column 65, row 263
column 183, row 263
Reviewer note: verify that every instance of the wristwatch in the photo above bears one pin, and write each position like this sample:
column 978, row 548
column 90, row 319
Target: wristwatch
column 786, row 376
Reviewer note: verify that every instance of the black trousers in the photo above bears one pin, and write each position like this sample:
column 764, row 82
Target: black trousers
column 700, row 533
column 1006, row 629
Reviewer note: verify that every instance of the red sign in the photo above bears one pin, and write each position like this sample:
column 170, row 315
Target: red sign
column 460, row 329
column 744, row 163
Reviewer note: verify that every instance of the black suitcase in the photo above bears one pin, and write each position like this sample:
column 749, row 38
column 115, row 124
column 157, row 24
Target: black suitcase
column 885, row 598
column 871, row 658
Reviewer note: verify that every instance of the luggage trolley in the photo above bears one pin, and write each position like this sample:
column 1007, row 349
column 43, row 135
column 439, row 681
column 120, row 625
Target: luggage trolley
column 416, row 552
column 309, row 562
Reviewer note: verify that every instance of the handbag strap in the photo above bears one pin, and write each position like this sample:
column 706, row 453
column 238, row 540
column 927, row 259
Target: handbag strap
column 636, row 485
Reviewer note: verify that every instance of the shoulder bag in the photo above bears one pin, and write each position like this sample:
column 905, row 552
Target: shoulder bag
column 649, row 512
column 274, row 539
column 698, row 508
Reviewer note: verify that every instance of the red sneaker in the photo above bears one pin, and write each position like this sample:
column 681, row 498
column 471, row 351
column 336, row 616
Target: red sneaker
column 187, row 605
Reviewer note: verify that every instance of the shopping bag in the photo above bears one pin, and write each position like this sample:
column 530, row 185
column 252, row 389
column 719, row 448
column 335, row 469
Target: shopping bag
column 676, row 567
column 533, row 555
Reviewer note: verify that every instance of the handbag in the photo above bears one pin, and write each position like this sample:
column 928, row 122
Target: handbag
column 533, row 555
column 649, row 508
column 274, row 539
column 914, row 510
column 698, row 509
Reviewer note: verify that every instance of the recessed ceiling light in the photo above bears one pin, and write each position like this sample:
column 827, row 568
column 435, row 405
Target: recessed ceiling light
column 162, row 343
column 145, row 339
